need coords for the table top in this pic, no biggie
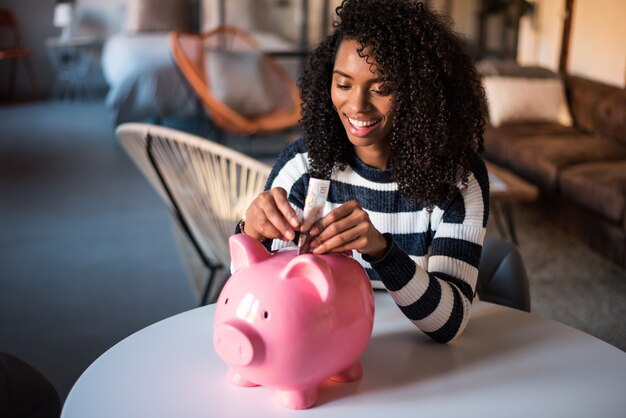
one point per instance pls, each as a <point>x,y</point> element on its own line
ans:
<point>506,363</point>
<point>506,186</point>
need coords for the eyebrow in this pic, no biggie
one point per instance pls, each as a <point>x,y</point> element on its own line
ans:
<point>374,80</point>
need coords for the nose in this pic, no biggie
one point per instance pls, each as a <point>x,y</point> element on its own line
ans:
<point>359,100</point>
<point>233,345</point>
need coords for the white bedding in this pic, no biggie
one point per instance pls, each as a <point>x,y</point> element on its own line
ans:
<point>143,78</point>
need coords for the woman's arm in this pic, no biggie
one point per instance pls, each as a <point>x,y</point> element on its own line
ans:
<point>275,213</point>
<point>438,300</point>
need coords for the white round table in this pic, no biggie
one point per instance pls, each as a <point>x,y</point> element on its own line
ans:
<point>507,363</point>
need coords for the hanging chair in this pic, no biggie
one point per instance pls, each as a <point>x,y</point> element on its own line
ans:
<point>243,90</point>
<point>207,187</point>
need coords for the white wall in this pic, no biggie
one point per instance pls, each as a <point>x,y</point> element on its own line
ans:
<point>540,35</point>
<point>597,48</point>
<point>464,13</point>
<point>598,41</point>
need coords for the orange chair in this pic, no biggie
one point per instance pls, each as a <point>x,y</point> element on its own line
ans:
<point>190,54</point>
<point>16,50</point>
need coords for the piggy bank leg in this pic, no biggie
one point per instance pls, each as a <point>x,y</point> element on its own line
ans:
<point>236,379</point>
<point>298,399</point>
<point>352,373</point>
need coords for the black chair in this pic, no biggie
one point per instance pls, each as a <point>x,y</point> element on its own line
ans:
<point>25,392</point>
<point>502,277</point>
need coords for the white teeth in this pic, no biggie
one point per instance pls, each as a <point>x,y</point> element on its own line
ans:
<point>362,123</point>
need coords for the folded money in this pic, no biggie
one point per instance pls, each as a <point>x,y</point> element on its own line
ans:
<point>313,210</point>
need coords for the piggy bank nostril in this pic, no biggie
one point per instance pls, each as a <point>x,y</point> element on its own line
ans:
<point>234,345</point>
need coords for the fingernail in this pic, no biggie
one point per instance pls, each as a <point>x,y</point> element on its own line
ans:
<point>294,221</point>
<point>314,231</point>
<point>318,250</point>
<point>289,235</point>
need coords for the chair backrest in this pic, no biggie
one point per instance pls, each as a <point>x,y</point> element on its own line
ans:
<point>190,53</point>
<point>8,23</point>
<point>209,184</point>
<point>502,277</point>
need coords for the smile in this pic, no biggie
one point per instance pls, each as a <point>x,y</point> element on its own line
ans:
<point>362,128</point>
<point>363,123</point>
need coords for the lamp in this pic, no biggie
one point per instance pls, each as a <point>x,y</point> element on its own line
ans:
<point>63,15</point>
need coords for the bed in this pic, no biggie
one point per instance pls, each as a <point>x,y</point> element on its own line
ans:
<point>144,82</point>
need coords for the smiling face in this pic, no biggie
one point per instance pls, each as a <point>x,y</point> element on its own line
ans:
<point>364,104</point>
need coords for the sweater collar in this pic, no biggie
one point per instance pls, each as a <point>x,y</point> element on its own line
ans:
<point>370,173</point>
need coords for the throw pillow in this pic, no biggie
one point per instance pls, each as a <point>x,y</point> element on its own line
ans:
<point>517,99</point>
<point>240,80</point>
<point>158,15</point>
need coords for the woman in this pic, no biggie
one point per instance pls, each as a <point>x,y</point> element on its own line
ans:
<point>392,115</point>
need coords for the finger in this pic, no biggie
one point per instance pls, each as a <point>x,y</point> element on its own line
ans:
<point>346,224</point>
<point>277,222</point>
<point>357,245</point>
<point>269,221</point>
<point>264,228</point>
<point>333,216</point>
<point>282,202</point>
<point>339,242</point>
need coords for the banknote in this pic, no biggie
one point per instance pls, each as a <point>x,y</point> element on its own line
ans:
<point>313,210</point>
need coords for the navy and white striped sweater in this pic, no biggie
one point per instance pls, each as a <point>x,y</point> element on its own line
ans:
<point>431,266</point>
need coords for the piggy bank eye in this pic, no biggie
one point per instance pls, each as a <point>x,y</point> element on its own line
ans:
<point>266,314</point>
<point>226,301</point>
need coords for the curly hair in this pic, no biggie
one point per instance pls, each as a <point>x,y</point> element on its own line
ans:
<point>437,130</point>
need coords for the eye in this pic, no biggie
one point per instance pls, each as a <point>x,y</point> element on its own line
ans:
<point>266,314</point>
<point>226,301</point>
<point>342,86</point>
<point>383,91</point>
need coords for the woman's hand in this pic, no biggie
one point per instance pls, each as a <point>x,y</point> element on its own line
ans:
<point>348,227</point>
<point>271,216</point>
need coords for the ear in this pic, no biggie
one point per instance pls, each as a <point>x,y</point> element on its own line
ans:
<point>315,270</point>
<point>245,251</point>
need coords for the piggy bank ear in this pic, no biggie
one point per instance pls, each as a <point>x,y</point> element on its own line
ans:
<point>245,251</point>
<point>315,270</point>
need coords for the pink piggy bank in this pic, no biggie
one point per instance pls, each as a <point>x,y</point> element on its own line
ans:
<point>290,322</point>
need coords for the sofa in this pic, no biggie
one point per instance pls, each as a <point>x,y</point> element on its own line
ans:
<point>579,165</point>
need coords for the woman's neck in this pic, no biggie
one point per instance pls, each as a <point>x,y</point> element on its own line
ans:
<point>377,157</point>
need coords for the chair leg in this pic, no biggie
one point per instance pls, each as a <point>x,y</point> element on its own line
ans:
<point>31,75</point>
<point>12,78</point>
<point>207,286</point>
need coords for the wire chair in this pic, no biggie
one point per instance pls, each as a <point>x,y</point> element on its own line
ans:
<point>190,50</point>
<point>207,187</point>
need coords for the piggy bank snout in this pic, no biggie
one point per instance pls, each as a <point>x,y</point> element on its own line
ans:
<point>234,345</point>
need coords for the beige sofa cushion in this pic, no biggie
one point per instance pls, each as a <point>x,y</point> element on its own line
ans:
<point>519,99</point>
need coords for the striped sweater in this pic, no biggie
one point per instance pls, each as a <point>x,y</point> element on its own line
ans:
<point>431,267</point>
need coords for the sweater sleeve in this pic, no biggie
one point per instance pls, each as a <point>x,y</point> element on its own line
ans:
<point>291,173</point>
<point>438,300</point>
